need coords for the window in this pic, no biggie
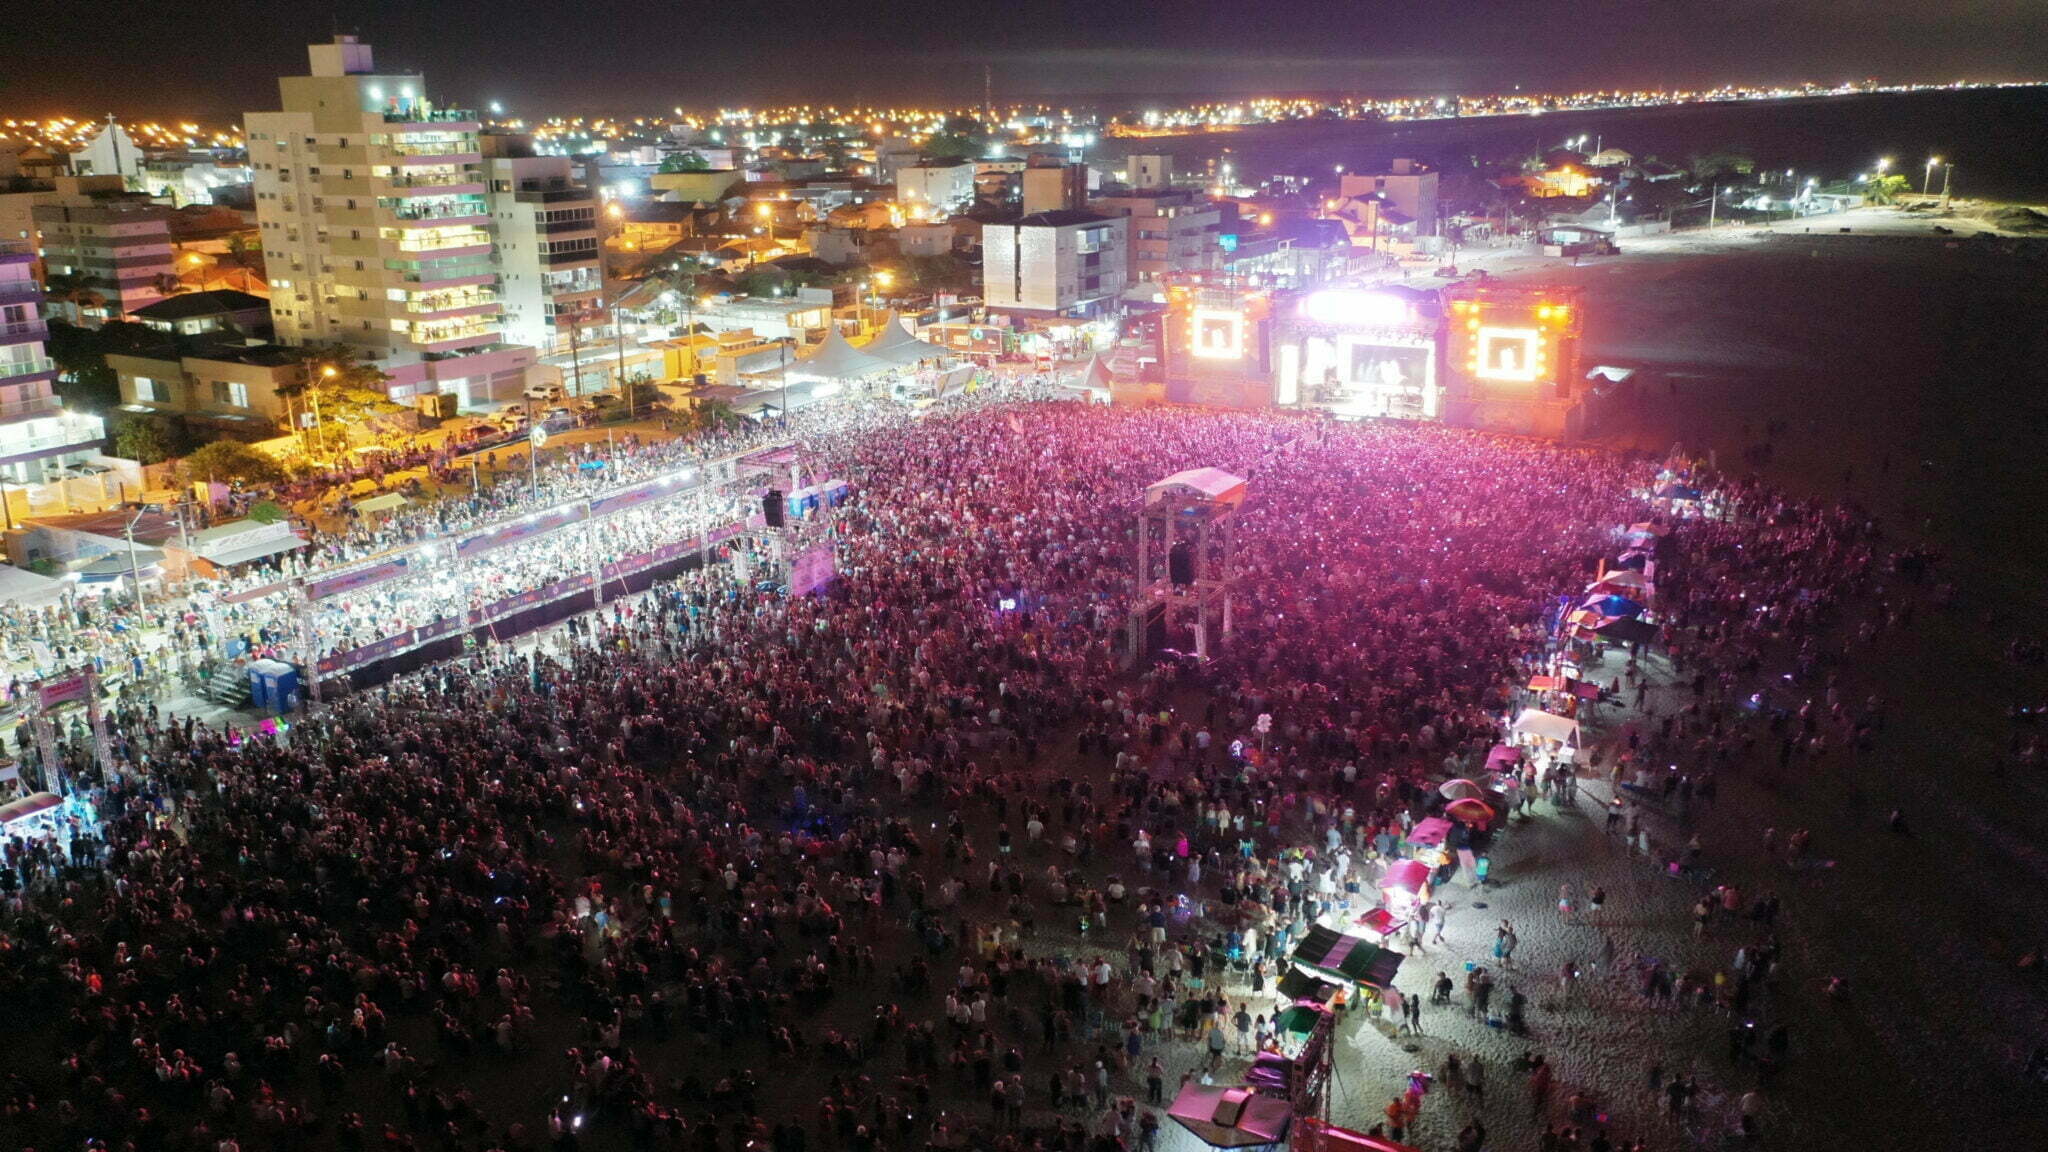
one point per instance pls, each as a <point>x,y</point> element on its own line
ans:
<point>231,392</point>
<point>151,391</point>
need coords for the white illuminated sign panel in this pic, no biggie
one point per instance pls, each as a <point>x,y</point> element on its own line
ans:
<point>1508,354</point>
<point>1215,334</point>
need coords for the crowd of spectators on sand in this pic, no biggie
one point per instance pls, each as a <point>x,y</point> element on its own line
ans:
<point>914,850</point>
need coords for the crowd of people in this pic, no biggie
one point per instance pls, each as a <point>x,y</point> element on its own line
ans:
<point>913,861</point>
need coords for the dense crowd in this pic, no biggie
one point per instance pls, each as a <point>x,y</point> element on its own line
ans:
<point>912,861</point>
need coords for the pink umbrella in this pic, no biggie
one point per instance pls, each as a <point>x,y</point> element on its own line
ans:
<point>1470,812</point>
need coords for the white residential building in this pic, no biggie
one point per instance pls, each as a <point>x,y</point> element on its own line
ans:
<point>1065,263</point>
<point>547,243</point>
<point>942,186</point>
<point>376,228</point>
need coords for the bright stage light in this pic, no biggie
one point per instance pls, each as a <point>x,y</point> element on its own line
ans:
<point>1351,307</point>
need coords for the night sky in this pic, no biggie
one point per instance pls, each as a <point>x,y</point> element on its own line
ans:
<point>220,57</point>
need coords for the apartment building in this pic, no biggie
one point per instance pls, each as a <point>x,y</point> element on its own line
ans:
<point>111,252</point>
<point>1064,263</point>
<point>548,253</point>
<point>376,226</point>
<point>1407,186</point>
<point>1172,231</point>
<point>37,436</point>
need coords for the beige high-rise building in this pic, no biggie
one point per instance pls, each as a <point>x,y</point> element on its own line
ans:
<point>376,230</point>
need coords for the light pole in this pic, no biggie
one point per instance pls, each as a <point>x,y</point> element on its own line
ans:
<point>1927,181</point>
<point>1947,170</point>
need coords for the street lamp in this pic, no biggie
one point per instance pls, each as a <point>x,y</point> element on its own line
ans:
<point>1927,181</point>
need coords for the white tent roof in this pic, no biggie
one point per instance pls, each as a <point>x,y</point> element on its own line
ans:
<point>1537,722</point>
<point>1213,483</point>
<point>835,359</point>
<point>1094,375</point>
<point>895,344</point>
<point>21,586</point>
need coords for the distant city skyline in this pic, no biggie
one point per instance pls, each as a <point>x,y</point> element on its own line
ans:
<point>221,59</point>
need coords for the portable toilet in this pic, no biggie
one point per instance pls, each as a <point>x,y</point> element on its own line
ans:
<point>273,685</point>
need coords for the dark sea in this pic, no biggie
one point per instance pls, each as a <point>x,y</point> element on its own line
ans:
<point>1996,138</point>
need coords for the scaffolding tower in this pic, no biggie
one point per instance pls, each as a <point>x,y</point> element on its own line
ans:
<point>1187,553</point>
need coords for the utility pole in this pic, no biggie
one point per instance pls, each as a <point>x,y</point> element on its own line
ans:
<point>1947,170</point>
<point>1712,205</point>
<point>134,568</point>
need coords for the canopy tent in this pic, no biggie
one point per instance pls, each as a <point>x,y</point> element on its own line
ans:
<point>1093,382</point>
<point>836,359</point>
<point>1678,492</point>
<point>122,564</point>
<point>1406,876</point>
<point>1650,527</point>
<point>388,502</point>
<point>1503,756</point>
<point>21,586</point>
<point>1633,560</point>
<point>1628,631</point>
<point>1297,985</point>
<point>895,345</point>
<point>1626,578</point>
<point>1379,922</point>
<point>1429,833</point>
<point>1231,1117</point>
<point>240,541</point>
<point>1614,605</point>
<point>1537,722</point>
<point>1352,958</point>
<point>15,811</point>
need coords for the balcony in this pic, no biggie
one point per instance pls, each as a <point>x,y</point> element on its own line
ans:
<point>49,436</point>
<point>437,116</point>
<point>11,410</point>
<point>34,366</point>
<point>441,210</point>
<point>451,242</point>
<point>438,152</point>
<point>20,331</point>
<point>435,182</point>
<point>434,303</point>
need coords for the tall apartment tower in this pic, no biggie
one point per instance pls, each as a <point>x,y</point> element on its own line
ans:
<point>376,231</point>
<point>37,435</point>
<point>545,217</point>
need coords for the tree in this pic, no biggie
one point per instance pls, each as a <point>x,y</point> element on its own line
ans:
<point>1884,188</point>
<point>685,162</point>
<point>336,388</point>
<point>266,512</point>
<point>142,439</point>
<point>1714,166</point>
<point>231,461</point>
<point>960,138</point>
<point>84,379</point>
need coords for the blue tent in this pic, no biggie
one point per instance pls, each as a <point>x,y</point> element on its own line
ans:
<point>1614,606</point>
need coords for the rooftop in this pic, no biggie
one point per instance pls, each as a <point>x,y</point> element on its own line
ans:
<point>187,305</point>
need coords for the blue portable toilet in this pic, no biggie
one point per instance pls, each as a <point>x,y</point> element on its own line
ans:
<point>273,685</point>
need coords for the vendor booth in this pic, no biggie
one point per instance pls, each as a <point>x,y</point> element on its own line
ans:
<point>1544,725</point>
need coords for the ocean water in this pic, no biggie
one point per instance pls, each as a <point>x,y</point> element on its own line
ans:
<point>1994,137</point>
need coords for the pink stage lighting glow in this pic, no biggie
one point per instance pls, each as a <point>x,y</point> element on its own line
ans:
<point>1355,308</point>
